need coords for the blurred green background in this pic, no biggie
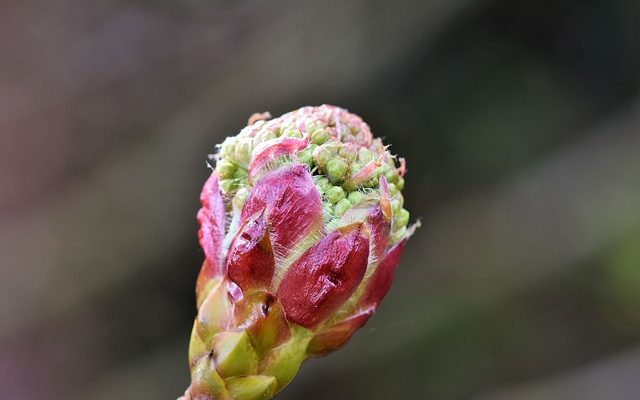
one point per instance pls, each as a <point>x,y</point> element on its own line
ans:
<point>520,121</point>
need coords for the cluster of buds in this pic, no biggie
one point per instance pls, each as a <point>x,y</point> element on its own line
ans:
<point>302,225</point>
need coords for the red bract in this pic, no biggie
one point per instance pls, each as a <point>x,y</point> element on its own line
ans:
<point>324,277</point>
<point>380,225</point>
<point>250,262</point>
<point>337,335</point>
<point>268,152</point>
<point>291,203</point>
<point>211,218</point>
<point>380,281</point>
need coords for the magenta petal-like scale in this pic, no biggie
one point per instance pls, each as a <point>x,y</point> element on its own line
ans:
<point>291,203</point>
<point>324,277</point>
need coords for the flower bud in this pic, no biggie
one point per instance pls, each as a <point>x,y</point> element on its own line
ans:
<point>302,226</point>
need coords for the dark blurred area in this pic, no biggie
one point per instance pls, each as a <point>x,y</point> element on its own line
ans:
<point>520,122</point>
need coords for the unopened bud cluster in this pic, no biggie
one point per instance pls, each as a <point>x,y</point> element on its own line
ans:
<point>345,160</point>
<point>302,226</point>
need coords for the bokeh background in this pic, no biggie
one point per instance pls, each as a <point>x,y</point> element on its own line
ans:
<point>520,121</point>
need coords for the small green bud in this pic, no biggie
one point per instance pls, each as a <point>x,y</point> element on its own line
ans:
<point>391,175</point>
<point>335,194</point>
<point>225,169</point>
<point>327,211</point>
<point>323,183</point>
<point>356,197</point>
<point>402,218</point>
<point>228,147</point>
<point>356,167</point>
<point>371,182</point>
<point>392,189</point>
<point>400,183</point>
<point>305,156</point>
<point>228,185</point>
<point>319,136</point>
<point>323,156</point>
<point>342,207</point>
<point>365,155</point>
<point>312,147</point>
<point>263,136</point>
<point>348,153</point>
<point>243,152</point>
<point>292,132</point>
<point>395,206</point>
<point>240,174</point>
<point>337,168</point>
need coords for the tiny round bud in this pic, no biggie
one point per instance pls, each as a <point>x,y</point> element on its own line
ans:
<point>319,136</point>
<point>364,155</point>
<point>344,131</point>
<point>277,131</point>
<point>228,185</point>
<point>225,169</point>
<point>335,194</point>
<point>392,189</point>
<point>402,218</point>
<point>337,168</point>
<point>243,151</point>
<point>370,183</point>
<point>240,174</point>
<point>356,197</point>
<point>228,147</point>
<point>348,153</point>
<point>323,155</point>
<point>390,174</point>
<point>305,156</point>
<point>395,206</point>
<point>400,183</point>
<point>263,136</point>
<point>292,132</point>
<point>342,207</point>
<point>323,183</point>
